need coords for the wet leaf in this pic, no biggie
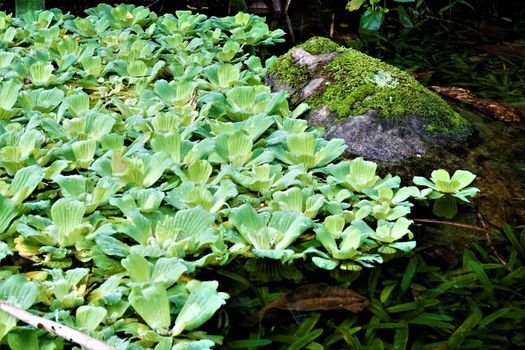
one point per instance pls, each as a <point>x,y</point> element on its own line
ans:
<point>315,297</point>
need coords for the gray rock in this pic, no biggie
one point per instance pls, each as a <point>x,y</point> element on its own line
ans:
<point>372,137</point>
<point>425,122</point>
<point>302,57</point>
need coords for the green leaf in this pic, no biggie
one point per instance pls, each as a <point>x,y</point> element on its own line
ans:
<point>41,72</point>
<point>463,331</point>
<point>17,291</point>
<point>323,263</point>
<point>371,19</point>
<point>440,175</point>
<point>24,183</point>
<point>501,313</point>
<point>4,251</point>
<point>463,177</point>
<point>23,339</point>
<point>8,211</point>
<point>445,207</point>
<point>152,304</point>
<point>112,246</point>
<point>306,339</point>
<point>137,69</point>
<point>481,274</point>
<point>404,18</point>
<point>354,5</point>
<point>200,306</point>
<point>169,270</point>
<point>139,269</point>
<point>386,292</point>
<point>6,58</point>
<point>84,151</point>
<point>248,343</point>
<point>89,317</point>
<point>77,104</point>
<point>408,276</point>
<point>203,344</point>
<point>507,229</point>
<point>9,94</point>
<point>193,222</point>
<point>236,148</point>
<point>361,174</point>
<point>401,337</point>
<point>434,320</point>
<point>329,152</point>
<point>199,171</point>
<point>42,100</point>
<point>73,186</point>
<point>67,215</point>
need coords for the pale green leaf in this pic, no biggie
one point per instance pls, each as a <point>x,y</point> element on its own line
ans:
<point>89,317</point>
<point>202,303</point>
<point>152,304</point>
<point>24,183</point>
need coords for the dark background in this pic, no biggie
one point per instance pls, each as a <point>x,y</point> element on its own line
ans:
<point>482,8</point>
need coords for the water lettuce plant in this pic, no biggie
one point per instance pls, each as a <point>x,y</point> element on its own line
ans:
<point>444,189</point>
<point>137,151</point>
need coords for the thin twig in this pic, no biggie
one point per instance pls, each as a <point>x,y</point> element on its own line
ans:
<point>453,23</point>
<point>470,227</point>
<point>451,223</point>
<point>153,3</point>
<point>489,242</point>
<point>65,332</point>
<point>290,28</point>
<point>288,2</point>
<point>332,25</point>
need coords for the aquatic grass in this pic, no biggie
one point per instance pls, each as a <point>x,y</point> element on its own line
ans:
<point>440,307</point>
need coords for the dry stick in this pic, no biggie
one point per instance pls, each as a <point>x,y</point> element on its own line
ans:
<point>451,223</point>
<point>332,25</point>
<point>288,2</point>
<point>65,332</point>
<point>489,242</point>
<point>471,227</point>
<point>290,28</point>
<point>153,3</point>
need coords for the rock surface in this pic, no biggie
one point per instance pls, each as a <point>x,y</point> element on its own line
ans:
<point>381,112</point>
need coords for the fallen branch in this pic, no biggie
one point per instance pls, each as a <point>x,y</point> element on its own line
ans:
<point>498,110</point>
<point>65,332</point>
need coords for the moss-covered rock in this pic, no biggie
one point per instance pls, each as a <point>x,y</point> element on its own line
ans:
<point>381,111</point>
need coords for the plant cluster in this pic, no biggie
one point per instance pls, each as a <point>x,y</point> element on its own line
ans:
<point>136,150</point>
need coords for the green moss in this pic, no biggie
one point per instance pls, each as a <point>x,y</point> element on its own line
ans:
<point>353,91</point>
<point>289,72</point>
<point>319,46</point>
<point>357,83</point>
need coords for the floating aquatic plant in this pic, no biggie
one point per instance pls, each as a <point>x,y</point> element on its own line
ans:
<point>136,150</point>
<point>444,189</point>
